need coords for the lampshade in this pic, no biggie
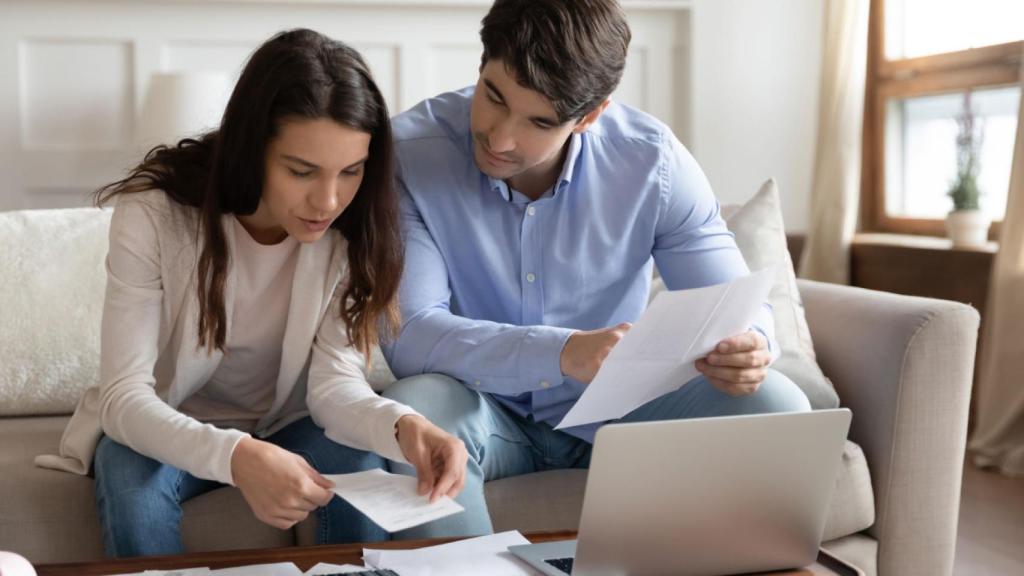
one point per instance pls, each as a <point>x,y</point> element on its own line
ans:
<point>182,104</point>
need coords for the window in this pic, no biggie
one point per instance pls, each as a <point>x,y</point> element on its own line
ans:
<point>927,61</point>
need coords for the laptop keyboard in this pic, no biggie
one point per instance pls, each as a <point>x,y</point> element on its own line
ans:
<point>563,564</point>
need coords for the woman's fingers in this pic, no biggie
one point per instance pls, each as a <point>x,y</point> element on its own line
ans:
<point>319,491</point>
<point>424,472</point>
<point>448,478</point>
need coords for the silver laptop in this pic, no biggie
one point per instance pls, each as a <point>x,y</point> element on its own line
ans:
<point>703,496</point>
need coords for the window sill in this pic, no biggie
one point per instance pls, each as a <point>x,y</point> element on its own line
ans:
<point>922,266</point>
<point>916,242</point>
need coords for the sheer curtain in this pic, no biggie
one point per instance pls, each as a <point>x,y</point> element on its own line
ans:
<point>998,440</point>
<point>835,190</point>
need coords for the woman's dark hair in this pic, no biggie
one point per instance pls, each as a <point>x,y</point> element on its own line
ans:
<point>299,74</point>
<point>571,51</point>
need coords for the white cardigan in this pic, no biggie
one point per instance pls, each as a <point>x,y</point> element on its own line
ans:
<point>150,360</point>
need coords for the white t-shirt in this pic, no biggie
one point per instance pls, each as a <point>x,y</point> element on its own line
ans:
<point>242,388</point>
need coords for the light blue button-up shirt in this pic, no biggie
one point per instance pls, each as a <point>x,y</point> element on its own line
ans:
<point>495,283</point>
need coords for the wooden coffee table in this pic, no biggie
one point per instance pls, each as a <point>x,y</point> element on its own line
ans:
<point>307,556</point>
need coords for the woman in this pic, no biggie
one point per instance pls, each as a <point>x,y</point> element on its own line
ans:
<point>248,273</point>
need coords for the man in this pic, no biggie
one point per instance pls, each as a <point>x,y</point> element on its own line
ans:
<point>531,208</point>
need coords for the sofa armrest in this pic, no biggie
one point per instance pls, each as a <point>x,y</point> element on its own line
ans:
<point>904,366</point>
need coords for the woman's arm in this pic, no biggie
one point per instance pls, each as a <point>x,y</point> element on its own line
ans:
<point>341,400</point>
<point>131,413</point>
<point>351,413</point>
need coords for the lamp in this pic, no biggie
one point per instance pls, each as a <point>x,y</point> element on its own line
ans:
<point>180,105</point>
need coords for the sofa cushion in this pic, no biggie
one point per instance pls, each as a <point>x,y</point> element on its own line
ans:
<point>859,550</point>
<point>552,500</point>
<point>853,505</point>
<point>52,292</point>
<point>50,516</point>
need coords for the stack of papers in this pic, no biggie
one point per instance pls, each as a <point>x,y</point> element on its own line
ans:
<point>484,555</point>
<point>278,569</point>
<point>657,355</point>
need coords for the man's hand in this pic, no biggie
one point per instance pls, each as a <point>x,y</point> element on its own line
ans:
<point>585,351</point>
<point>738,365</point>
<point>438,457</point>
<point>280,486</point>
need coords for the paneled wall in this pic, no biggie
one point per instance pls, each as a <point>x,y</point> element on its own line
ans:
<point>73,73</point>
<point>755,75</point>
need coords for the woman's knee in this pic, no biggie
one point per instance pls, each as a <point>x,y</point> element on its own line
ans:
<point>328,457</point>
<point>118,468</point>
<point>132,488</point>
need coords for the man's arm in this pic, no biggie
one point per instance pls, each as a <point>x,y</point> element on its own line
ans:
<point>692,246</point>
<point>488,356</point>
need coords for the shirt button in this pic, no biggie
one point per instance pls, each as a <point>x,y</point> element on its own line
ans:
<point>476,383</point>
<point>530,277</point>
<point>545,384</point>
<point>531,210</point>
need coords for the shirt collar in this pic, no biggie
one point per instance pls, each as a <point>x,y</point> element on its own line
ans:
<point>568,169</point>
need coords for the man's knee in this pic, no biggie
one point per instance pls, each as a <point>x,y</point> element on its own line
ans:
<point>777,393</point>
<point>441,399</point>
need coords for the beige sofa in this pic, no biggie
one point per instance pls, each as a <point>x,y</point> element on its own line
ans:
<point>902,364</point>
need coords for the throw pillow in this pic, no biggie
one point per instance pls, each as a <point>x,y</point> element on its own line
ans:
<point>761,237</point>
<point>51,286</point>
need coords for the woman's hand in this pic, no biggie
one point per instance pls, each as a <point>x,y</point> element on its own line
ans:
<point>280,486</point>
<point>439,457</point>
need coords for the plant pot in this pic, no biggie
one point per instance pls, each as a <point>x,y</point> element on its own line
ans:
<point>968,228</point>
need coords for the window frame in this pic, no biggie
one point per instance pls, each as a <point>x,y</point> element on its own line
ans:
<point>992,66</point>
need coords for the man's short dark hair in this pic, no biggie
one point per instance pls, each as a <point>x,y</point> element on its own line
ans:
<point>571,51</point>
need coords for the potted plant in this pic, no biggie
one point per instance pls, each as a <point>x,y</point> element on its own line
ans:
<point>967,225</point>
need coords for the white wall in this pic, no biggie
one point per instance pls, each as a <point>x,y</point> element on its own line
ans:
<point>737,79</point>
<point>73,73</point>
<point>755,73</point>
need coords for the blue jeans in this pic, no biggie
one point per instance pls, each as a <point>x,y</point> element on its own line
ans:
<point>139,499</point>
<point>501,443</point>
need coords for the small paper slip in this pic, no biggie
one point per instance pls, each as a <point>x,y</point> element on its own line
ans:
<point>278,569</point>
<point>657,355</point>
<point>324,568</point>
<point>390,500</point>
<point>472,557</point>
<point>178,572</point>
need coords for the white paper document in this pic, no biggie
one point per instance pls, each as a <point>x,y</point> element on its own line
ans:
<point>390,500</point>
<point>473,557</point>
<point>178,572</point>
<point>276,569</point>
<point>324,568</point>
<point>657,355</point>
